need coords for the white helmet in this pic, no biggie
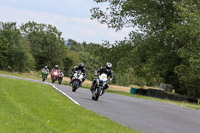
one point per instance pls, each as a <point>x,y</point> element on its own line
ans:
<point>56,67</point>
<point>108,65</point>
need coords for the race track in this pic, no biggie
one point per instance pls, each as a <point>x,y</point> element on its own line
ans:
<point>138,114</point>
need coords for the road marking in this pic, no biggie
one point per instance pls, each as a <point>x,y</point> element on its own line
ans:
<point>63,93</point>
<point>44,83</point>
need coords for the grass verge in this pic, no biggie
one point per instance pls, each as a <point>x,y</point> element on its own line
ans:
<point>32,107</point>
<point>31,75</point>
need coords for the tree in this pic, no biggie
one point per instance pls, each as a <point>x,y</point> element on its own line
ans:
<point>76,46</point>
<point>166,34</point>
<point>47,45</point>
<point>3,52</point>
<point>14,53</point>
<point>187,35</point>
<point>71,59</point>
<point>91,63</point>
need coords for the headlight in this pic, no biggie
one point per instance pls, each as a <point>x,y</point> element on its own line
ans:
<point>55,73</point>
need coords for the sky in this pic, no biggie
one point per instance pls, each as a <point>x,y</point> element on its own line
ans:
<point>71,17</point>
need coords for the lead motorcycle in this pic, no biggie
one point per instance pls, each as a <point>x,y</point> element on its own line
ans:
<point>77,80</point>
<point>101,81</point>
<point>56,75</point>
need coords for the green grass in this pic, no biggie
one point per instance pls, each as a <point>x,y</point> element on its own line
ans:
<point>186,104</point>
<point>31,75</point>
<point>33,107</point>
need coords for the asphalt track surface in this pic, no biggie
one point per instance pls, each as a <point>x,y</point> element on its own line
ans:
<point>139,114</point>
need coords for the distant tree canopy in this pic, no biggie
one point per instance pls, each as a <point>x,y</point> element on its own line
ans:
<point>47,45</point>
<point>31,47</point>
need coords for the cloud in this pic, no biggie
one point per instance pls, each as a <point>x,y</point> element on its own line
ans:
<point>86,31</point>
<point>79,28</point>
<point>115,35</point>
<point>82,20</point>
<point>19,15</point>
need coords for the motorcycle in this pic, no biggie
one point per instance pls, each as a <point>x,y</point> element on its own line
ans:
<point>56,75</point>
<point>77,80</point>
<point>101,81</point>
<point>44,75</point>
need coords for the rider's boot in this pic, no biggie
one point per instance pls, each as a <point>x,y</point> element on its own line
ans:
<point>102,92</point>
<point>92,88</point>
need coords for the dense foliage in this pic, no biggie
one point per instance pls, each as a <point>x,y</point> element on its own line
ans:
<point>14,54</point>
<point>166,44</point>
<point>32,46</point>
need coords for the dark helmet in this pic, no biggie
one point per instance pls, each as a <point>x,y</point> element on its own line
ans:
<point>81,65</point>
<point>108,65</point>
<point>45,67</point>
<point>56,67</point>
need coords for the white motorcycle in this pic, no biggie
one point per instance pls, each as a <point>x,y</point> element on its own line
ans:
<point>101,81</point>
<point>77,80</point>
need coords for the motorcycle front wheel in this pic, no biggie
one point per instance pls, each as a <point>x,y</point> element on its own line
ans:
<point>53,79</point>
<point>74,86</point>
<point>96,94</point>
<point>44,78</point>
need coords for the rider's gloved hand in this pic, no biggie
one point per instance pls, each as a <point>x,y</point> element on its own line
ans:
<point>95,73</point>
<point>110,79</point>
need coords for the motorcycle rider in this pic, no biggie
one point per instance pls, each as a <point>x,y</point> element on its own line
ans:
<point>45,69</point>
<point>61,74</point>
<point>106,70</point>
<point>56,68</point>
<point>76,68</point>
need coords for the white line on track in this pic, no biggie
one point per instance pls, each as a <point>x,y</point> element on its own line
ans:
<point>47,84</point>
<point>63,93</point>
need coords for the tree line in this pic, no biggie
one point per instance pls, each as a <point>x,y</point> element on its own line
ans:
<point>32,46</point>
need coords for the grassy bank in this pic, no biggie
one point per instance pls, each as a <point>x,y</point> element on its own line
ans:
<point>32,107</point>
<point>31,75</point>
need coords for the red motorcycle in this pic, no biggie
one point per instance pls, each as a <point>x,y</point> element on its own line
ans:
<point>56,75</point>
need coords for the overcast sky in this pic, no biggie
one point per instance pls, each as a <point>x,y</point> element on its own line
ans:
<point>71,17</point>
